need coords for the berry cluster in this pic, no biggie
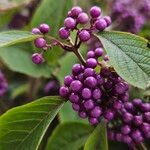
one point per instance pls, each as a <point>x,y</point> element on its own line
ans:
<point>94,95</point>
<point>3,84</point>
<point>37,58</point>
<point>76,17</point>
<point>130,15</point>
<point>131,124</point>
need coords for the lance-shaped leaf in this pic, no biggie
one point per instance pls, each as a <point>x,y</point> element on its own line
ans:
<point>129,55</point>
<point>68,136</point>
<point>8,38</point>
<point>22,128</point>
<point>98,139</point>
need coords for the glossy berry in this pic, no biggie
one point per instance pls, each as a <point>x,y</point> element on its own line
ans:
<point>68,79</point>
<point>75,11</point>
<point>75,107</point>
<point>70,23</point>
<point>40,43</point>
<point>82,114</point>
<point>90,82</point>
<point>108,20</point>
<point>74,98</point>
<point>96,112</point>
<point>64,91</point>
<point>89,72</point>
<point>89,104</point>
<point>76,85</point>
<point>77,68</point>
<point>82,18</point>
<point>84,35</point>
<point>86,93</point>
<point>36,31</point>
<point>95,12</point>
<point>91,63</point>
<point>100,24</point>
<point>126,129</point>
<point>37,58</point>
<point>99,52</point>
<point>64,33</point>
<point>90,54</point>
<point>93,121</point>
<point>97,94</point>
<point>44,28</point>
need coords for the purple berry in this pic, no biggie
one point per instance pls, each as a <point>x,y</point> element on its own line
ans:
<point>117,105</point>
<point>75,107</point>
<point>76,69</point>
<point>127,139</point>
<point>90,54</point>
<point>137,102</point>
<point>100,80</point>
<point>82,18</point>
<point>76,86</point>
<point>127,117</point>
<point>109,115</point>
<point>37,58</point>
<point>108,20</point>
<point>96,112</point>
<point>64,33</point>
<point>88,72</point>
<point>75,11</point>
<point>99,52</point>
<point>125,129</point>
<point>86,93</point>
<point>81,77</point>
<point>70,23</point>
<point>120,88</point>
<point>82,114</point>
<point>100,24</point>
<point>136,134</point>
<point>137,120</point>
<point>90,82</point>
<point>44,28</point>
<point>119,137</point>
<point>145,107</point>
<point>74,98</point>
<point>95,12</point>
<point>146,116</point>
<point>128,106</point>
<point>40,43</point>
<point>84,35</point>
<point>106,58</point>
<point>68,79</point>
<point>89,104</point>
<point>91,63</point>
<point>64,91</point>
<point>145,127</point>
<point>97,94</point>
<point>36,31</point>
<point>93,121</point>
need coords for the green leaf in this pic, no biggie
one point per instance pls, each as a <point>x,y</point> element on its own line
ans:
<point>67,114</point>
<point>69,136</point>
<point>19,60</point>
<point>8,38</point>
<point>129,55</point>
<point>98,139</point>
<point>22,128</point>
